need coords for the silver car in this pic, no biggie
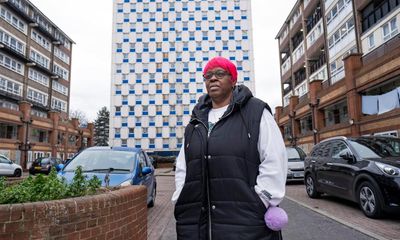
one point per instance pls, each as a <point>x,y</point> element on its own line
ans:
<point>295,164</point>
<point>8,168</point>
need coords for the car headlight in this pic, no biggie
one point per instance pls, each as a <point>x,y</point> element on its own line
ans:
<point>126,183</point>
<point>388,169</point>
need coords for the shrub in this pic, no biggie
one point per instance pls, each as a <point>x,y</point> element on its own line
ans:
<point>51,187</point>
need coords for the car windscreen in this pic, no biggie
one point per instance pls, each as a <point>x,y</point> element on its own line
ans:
<point>43,160</point>
<point>293,155</point>
<point>96,160</point>
<point>377,148</point>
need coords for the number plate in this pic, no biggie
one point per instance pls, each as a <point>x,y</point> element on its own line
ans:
<point>38,168</point>
<point>298,174</point>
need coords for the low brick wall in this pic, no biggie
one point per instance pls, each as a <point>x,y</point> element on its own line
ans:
<point>120,214</point>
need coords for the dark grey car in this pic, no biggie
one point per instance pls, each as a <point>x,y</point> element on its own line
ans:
<point>365,170</point>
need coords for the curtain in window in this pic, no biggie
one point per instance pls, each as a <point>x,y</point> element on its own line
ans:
<point>370,105</point>
<point>388,101</point>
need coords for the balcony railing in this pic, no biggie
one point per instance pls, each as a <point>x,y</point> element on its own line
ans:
<point>315,33</point>
<point>320,74</point>
<point>298,52</point>
<point>286,66</point>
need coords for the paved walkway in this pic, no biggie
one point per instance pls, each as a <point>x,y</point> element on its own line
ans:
<point>161,222</point>
<point>346,212</point>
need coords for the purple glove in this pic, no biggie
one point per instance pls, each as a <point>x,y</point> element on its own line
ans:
<point>275,218</point>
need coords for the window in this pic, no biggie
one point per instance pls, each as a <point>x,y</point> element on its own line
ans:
<point>60,88</point>
<point>8,131</point>
<point>38,77</point>
<point>339,148</point>
<point>12,42</point>
<point>61,55</point>
<point>389,29</point>
<point>60,71</point>
<point>10,86</point>
<point>336,114</point>
<point>11,64</point>
<point>37,96</point>
<point>38,135</point>
<point>12,19</point>
<point>42,41</point>
<point>58,104</point>
<point>39,58</point>
<point>371,41</point>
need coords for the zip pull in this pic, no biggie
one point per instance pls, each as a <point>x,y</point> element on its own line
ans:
<point>248,134</point>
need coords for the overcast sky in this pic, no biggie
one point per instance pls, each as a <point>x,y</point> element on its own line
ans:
<point>89,24</point>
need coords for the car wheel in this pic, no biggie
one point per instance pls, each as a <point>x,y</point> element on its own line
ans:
<point>311,188</point>
<point>369,198</point>
<point>153,198</point>
<point>17,173</point>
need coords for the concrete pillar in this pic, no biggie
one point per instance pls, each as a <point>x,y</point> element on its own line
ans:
<point>24,131</point>
<point>293,101</point>
<point>352,64</point>
<point>317,116</point>
<point>55,117</point>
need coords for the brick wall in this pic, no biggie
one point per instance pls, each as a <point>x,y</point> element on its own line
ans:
<point>120,214</point>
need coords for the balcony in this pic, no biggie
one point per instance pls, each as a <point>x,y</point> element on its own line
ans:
<point>315,34</point>
<point>337,75</point>
<point>335,21</point>
<point>376,11</point>
<point>316,64</point>
<point>345,42</point>
<point>328,3</point>
<point>320,74</point>
<point>381,33</point>
<point>298,52</point>
<point>285,66</point>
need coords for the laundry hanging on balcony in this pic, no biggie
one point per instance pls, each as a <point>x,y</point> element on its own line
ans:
<point>370,105</point>
<point>388,101</point>
<point>379,104</point>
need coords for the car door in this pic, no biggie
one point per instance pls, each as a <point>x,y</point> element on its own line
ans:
<point>340,171</point>
<point>321,159</point>
<point>5,167</point>
<point>146,180</point>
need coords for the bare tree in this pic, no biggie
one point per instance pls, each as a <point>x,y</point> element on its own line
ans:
<point>80,115</point>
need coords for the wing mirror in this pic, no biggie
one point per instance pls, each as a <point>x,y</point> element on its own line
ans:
<point>347,156</point>
<point>146,170</point>
<point>59,167</point>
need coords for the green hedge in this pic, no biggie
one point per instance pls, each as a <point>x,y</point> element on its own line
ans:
<point>45,188</point>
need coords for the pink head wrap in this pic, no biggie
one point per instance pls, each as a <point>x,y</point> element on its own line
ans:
<point>224,64</point>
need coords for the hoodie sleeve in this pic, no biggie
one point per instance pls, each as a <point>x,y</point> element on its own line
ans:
<point>180,173</point>
<point>271,180</point>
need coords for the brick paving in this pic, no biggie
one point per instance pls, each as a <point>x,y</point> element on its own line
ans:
<point>161,222</point>
<point>347,213</point>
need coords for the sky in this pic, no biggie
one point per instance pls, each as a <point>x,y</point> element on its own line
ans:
<point>89,24</point>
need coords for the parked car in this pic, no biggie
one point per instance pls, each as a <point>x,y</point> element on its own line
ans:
<point>365,170</point>
<point>115,166</point>
<point>8,168</point>
<point>45,164</point>
<point>295,164</point>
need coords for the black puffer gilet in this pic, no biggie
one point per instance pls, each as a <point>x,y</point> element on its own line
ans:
<point>218,200</point>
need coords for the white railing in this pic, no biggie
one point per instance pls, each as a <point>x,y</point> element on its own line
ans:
<point>298,52</point>
<point>349,38</point>
<point>285,66</point>
<point>286,99</point>
<point>301,89</point>
<point>315,33</point>
<point>320,74</point>
<point>337,75</point>
<point>345,11</point>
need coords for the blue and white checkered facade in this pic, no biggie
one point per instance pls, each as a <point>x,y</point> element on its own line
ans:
<point>159,49</point>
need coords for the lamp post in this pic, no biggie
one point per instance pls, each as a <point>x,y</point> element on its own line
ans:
<point>25,146</point>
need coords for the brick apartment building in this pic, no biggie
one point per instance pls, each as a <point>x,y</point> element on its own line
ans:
<point>340,70</point>
<point>35,66</point>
